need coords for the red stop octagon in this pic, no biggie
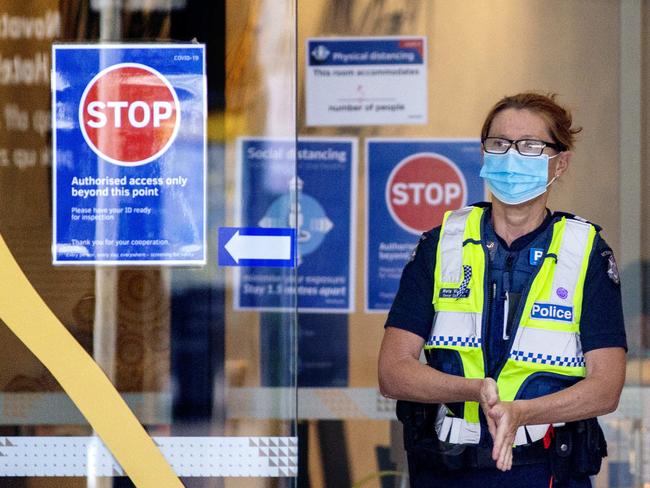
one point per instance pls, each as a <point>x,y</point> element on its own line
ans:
<point>129,114</point>
<point>421,188</point>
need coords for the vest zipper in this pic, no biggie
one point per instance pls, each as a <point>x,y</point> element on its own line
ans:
<point>507,285</point>
<point>522,302</point>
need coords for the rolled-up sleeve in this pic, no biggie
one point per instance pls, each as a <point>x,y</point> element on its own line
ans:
<point>601,321</point>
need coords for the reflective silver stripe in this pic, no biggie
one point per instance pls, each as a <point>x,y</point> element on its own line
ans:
<point>456,430</point>
<point>520,436</point>
<point>535,432</point>
<point>553,347</point>
<point>569,260</point>
<point>461,326</point>
<point>451,245</point>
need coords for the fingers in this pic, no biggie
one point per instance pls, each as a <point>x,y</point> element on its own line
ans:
<point>489,398</point>
<point>505,460</point>
<point>504,438</point>
<point>501,423</point>
<point>492,426</point>
<point>496,415</point>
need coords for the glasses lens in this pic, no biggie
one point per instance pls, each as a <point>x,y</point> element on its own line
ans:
<point>529,147</point>
<point>496,145</point>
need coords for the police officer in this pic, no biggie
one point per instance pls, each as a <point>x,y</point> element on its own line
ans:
<point>519,312</point>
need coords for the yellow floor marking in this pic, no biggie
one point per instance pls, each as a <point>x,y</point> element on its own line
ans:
<point>27,315</point>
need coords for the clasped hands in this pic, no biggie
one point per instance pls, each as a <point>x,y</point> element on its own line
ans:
<point>503,419</point>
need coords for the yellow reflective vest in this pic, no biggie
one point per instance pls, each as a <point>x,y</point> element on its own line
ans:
<point>546,336</point>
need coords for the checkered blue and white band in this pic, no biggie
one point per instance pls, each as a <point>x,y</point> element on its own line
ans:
<point>550,359</point>
<point>550,347</point>
<point>454,341</point>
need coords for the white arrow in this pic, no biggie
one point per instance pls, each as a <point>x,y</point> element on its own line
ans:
<point>259,247</point>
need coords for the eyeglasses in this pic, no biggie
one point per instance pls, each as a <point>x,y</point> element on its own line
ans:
<point>525,147</point>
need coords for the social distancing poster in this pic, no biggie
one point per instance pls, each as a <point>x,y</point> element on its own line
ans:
<point>311,186</point>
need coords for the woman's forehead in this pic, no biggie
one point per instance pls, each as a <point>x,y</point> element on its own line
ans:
<point>516,123</point>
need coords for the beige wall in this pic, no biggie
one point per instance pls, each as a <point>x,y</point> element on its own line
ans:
<point>480,50</point>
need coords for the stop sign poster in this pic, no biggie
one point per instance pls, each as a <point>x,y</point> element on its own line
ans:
<point>318,196</point>
<point>129,160</point>
<point>411,184</point>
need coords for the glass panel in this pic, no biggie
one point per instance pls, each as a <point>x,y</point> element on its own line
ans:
<point>210,374</point>
<point>353,441</point>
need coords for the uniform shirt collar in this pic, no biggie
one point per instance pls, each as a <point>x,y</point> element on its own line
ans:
<point>521,242</point>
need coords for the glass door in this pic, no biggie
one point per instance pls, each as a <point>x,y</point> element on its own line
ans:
<point>194,341</point>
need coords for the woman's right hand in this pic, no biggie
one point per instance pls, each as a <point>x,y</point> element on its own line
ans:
<point>488,398</point>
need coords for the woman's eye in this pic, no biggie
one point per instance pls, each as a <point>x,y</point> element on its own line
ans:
<point>532,144</point>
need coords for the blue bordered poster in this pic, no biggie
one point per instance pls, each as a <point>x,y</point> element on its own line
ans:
<point>366,81</point>
<point>129,161</point>
<point>410,185</point>
<point>318,198</point>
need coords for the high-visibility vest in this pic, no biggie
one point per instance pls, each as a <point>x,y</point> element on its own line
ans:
<point>546,338</point>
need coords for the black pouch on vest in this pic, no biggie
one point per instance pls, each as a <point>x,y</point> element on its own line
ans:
<point>560,455</point>
<point>421,441</point>
<point>590,447</point>
<point>418,420</point>
<point>578,450</point>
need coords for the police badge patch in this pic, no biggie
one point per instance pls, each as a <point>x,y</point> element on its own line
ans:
<point>415,249</point>
<point>612,269</point>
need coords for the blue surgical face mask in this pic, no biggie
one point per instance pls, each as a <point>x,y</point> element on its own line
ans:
<point>513,178</point>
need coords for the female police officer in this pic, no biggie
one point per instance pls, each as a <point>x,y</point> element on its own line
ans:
<point>519,312</point>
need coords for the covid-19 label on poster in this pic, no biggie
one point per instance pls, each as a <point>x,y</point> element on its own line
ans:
<point>317,197</point>
<point>129,154</point>
<point>410,185</point>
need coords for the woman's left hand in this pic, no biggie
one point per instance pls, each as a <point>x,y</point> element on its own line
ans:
<point>508,418</point>
<point>597,394</point>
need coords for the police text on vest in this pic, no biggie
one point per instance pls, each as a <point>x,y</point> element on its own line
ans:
<point>551,311</point>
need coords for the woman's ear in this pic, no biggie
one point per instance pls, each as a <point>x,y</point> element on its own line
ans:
<point>562,164</point>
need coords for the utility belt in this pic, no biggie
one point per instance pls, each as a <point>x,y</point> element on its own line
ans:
<point>574,450</point>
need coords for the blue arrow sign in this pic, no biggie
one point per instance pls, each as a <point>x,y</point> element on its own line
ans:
<point>257,246</point>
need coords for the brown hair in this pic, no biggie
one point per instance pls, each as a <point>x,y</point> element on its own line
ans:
<point>558,119</point>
